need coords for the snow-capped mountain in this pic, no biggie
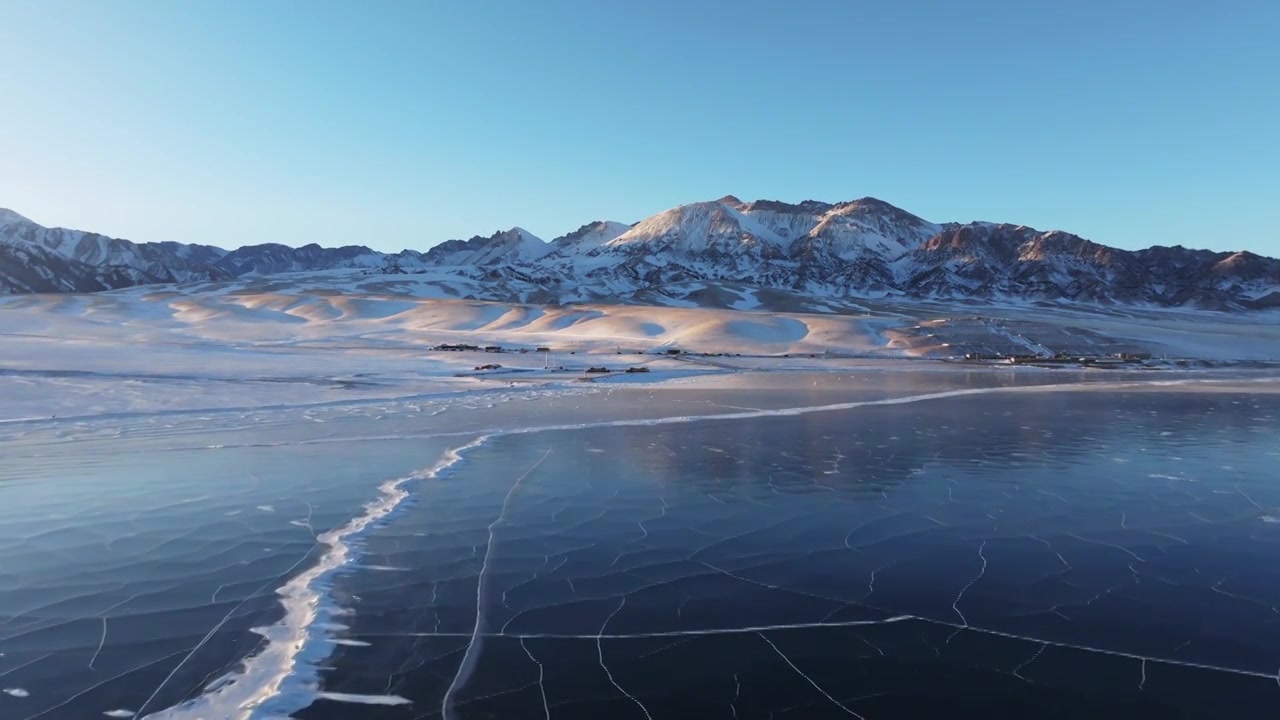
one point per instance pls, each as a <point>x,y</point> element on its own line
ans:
<point>31,268</point>
<point>272,258</point>
<point>986,260</point>
<point>589,237</point>
<point>512,247</point>
<point>862,248</point>
<point>109,261</point>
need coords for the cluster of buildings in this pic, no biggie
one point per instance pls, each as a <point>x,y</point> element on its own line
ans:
<point>1118,358</point>
<point>462,347</point>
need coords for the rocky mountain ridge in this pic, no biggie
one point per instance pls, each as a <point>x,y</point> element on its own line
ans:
<point>861,248</point>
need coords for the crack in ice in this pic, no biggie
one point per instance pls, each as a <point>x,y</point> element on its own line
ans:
<point>983,571</point>
<point>600,655</point>
<point>657,633</point>
<point>1055,552</point>
<point>468,658</point>
<point>1131,553</point>
<point>99,684</point>
<point>1246,497</point>
<point>546,709</point>
<point>1167,535</point>
<point>29,663</point>
<point>101,642</point>
<point>1028,661</point>
<point>808,679</point>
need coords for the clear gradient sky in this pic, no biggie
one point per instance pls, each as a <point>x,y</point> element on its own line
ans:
<point>401,124</point>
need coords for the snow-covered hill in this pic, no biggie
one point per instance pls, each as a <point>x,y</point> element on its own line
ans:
<point>695,253</point>
<point>62,260</point>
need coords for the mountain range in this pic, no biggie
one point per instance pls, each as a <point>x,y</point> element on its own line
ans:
<point>864,248</point>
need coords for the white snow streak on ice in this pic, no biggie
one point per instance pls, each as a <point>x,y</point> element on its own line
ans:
<point>281,671</point>
<point>364,699</point>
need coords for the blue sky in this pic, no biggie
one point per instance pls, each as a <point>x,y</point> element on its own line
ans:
<point>402,124</point>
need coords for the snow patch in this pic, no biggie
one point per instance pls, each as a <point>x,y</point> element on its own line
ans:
<point>364,699</point>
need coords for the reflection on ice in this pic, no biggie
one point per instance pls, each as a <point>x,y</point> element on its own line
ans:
<point>693,539</point>
<point>877,548</point>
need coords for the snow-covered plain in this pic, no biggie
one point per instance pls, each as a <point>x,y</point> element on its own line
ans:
<point>339,337</point>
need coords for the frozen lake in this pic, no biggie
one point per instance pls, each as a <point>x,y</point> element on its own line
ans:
<point>879,544</point>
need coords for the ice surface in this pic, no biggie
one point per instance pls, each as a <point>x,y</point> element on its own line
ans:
<point>1010,539</point>
<point>609,565</point>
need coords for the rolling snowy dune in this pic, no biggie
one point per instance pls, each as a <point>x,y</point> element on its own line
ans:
<point>342,336</point>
